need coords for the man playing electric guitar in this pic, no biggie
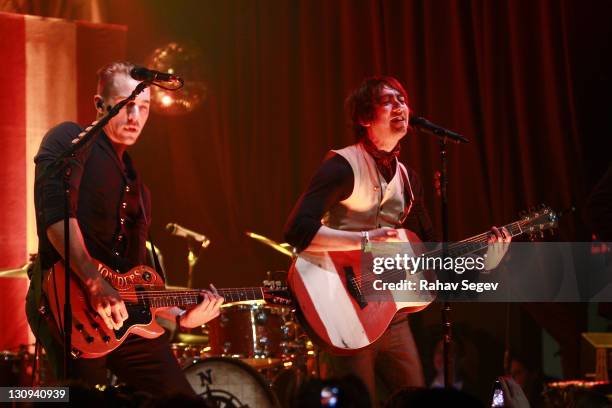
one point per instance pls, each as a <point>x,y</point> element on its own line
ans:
<point>363,193</point>
<point>110,213</point>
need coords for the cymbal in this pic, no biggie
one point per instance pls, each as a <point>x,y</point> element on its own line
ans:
<point>172,287</point>
<point>15,272</point>
<point>191,338</point>
<point>283,248</point>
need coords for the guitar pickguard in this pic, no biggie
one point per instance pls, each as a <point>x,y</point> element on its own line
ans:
<point>138,314</point>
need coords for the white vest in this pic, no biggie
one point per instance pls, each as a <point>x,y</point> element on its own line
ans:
<point>374,203</point>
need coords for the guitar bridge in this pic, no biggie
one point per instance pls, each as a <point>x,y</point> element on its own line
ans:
<point>353,287</point>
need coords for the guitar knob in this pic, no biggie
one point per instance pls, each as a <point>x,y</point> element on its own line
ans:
<point>79,327</point>
<point>95,325</point>
<point>89,339</point>
<point>106,339</point>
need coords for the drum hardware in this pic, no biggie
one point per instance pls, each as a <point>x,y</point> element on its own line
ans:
<point>187,354</point>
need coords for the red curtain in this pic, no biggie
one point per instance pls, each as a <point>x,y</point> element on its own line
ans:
<point>48,77</point>
<point>508,75</point>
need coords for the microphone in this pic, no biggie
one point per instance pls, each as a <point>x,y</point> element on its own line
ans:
<point>180,231</point>
<point>426,126</point>
<point>145,74</point>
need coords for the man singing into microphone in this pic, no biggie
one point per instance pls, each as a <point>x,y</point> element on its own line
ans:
<point>363,192</point>
<point>110,215</point>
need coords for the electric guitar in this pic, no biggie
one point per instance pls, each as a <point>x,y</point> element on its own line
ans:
<point>144,293</point>
<point>328,287</point>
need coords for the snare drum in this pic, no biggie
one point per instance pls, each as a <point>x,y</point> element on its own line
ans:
<point>226,382</point>
<point>253,333</point>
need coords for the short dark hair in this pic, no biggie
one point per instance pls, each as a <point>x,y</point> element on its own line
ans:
<point>361,101</point>
<point>108,72</point>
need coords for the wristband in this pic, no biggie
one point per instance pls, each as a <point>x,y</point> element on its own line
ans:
<point>365,241</point>
<point>178,319</point>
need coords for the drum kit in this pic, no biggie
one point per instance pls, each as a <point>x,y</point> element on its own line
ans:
<point>253,354</point>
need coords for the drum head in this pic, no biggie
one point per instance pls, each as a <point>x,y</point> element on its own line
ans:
<point>229,383</point>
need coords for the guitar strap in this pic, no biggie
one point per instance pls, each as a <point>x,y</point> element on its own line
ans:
<point>155,259</point>
<point>408,201</point>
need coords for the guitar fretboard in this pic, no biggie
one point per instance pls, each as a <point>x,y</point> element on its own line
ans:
<point>475,243</point>
<point>164,298</point>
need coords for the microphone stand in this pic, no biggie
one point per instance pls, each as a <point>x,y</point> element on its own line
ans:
<point>61,163</point>
<point>446,308</point>
<point>194,249</point>
<point>443,136</point>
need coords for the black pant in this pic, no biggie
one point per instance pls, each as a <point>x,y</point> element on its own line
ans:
<point>145,364</point>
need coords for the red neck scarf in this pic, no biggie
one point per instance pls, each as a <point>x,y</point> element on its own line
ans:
<point>385,161</point>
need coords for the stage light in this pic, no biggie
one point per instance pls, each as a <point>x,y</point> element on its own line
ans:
<point>166,100</point>
<point>185,61</point>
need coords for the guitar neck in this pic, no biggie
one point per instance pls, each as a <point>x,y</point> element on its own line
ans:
<point>477,242</point>
<point>164,298</point>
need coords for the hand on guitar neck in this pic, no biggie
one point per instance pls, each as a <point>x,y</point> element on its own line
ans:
<point>205,311</point>
<point>499,242</point>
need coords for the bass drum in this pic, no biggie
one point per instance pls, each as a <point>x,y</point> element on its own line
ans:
<point>230,383</point>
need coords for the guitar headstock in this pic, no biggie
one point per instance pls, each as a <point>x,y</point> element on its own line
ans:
<point>538,220</point>
<point>278,295</point>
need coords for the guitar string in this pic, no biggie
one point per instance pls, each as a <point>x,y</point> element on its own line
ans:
<point>134,296</point>
<point>196,291</point>
<point>480,239</point>
<point>399,273</point>
<point>222,289</point>
<point>246,296</point>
